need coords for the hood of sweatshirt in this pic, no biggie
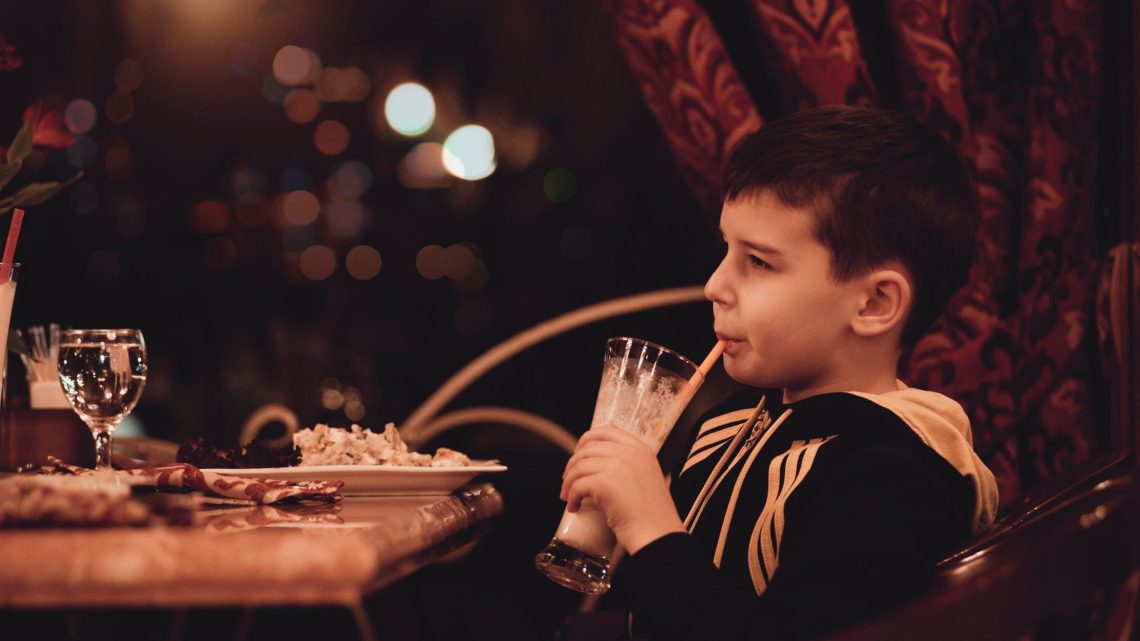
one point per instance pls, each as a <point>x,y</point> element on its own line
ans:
<point>942,424</point>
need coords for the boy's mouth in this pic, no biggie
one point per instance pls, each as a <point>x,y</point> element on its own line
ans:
<point>730,343</point>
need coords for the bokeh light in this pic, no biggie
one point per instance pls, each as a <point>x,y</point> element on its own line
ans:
<point>422,167</point>
<point>244,179</point>
<point>128,75</point>
<point>252,209</point>
<point>295,178</point>
<point>469,153</point>
<point>363,262</point>
<point>348,84</point>
<point>331,397</point>
<point>331,138</point>
<point>301,105</point>
<point>79,116</point>
<point>429,262</point>
<point>346,218</point>
<point>273,91</point>
<point>354,410</point>
<point>243,58</point>
<point>300,207</point>
<point>318,262</point>
<point>211,216</point>
<point>118,161</point>
<point>475,280</point>
<point>82,152</point>
<point>560,185</point>
<point>293,65</point>
<point>458,261</point>
<point>119,107</point>
<point>351,179</point>
<point>410,109</point>
<point>519,145</point>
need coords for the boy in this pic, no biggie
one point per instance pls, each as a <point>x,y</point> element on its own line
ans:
<point>847,229</point>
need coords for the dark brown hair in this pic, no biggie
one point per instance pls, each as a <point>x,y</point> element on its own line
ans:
<point>881,187</point>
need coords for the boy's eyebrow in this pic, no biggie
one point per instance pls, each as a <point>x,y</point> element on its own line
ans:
<point>760,247</point>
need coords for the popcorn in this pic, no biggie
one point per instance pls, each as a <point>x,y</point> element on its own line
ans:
<point>324,445</point>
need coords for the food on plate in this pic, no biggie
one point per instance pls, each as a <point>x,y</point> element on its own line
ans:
<point>324,445</point>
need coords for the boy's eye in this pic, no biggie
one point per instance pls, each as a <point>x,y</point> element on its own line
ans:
<point>759,263</point>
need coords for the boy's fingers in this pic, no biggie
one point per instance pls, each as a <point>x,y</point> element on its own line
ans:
<point>578,470</point>
<point>583,489</point>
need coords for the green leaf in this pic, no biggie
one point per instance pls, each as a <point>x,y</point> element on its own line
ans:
<point>22,143</point>
<point>35,193</point>
<point>8,172</point>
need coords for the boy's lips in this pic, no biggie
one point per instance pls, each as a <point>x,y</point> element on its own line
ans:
<point>730,343</point>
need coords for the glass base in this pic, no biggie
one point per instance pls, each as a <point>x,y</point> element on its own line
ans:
<point>573,569</point>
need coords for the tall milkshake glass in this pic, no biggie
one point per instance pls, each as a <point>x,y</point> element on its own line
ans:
<point>644,389</point>
<point>7,298</point>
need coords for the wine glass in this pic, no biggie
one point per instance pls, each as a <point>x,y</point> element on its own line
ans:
<point>103,372</point>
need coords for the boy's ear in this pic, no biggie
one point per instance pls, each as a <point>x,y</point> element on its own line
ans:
<point>885,299</point>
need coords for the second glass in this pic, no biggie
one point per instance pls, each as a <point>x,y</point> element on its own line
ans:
<point>644,390</point>
<point>103,372</point>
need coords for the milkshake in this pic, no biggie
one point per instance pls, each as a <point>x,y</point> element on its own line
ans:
<point>7,297</point>
<point>7,440</point>
<point>644,389</point>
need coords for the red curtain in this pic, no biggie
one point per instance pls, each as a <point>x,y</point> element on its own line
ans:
<point>1014,84</point>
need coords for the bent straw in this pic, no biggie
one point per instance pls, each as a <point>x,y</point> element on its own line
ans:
<point>698,377</point>
<point>10,245</point>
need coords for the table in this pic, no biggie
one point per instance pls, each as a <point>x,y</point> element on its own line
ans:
<point>328,555</point>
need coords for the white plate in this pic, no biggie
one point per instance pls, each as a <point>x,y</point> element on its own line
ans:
<point>375,480</point>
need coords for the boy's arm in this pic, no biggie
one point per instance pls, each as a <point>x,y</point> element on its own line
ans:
<point>858,539</point>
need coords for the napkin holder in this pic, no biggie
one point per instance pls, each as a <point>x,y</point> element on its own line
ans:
<point>47,426</point>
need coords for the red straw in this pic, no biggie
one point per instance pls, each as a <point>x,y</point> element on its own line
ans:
<point>10,245</point>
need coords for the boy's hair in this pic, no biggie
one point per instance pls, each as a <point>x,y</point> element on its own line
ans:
<point>880,187</point>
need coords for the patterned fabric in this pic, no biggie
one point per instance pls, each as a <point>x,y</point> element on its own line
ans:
<point>814,52</point>
<point>689,83</point>
<point>179,476</point>
<point>1014,84</point>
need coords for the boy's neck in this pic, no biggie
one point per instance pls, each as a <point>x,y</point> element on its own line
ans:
<point>874,372</point>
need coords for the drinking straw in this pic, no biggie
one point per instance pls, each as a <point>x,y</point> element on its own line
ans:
<point>693,383</point>
<point>10,245</point>
<point>717,350</point>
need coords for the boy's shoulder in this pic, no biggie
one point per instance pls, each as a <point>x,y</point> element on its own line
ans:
<point>823,416</point>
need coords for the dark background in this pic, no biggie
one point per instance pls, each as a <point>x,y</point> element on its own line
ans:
<point>224,341</point>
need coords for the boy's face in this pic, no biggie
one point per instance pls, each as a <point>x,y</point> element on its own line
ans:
<point>783,317</point>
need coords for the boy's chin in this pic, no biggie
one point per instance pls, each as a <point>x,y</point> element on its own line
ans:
<point>745,375</point>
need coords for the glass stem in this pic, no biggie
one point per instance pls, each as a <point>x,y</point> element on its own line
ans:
<point>102,448</point>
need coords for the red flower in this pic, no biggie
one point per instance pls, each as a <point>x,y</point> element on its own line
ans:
<point>49,129</point>
<point>9,59</point>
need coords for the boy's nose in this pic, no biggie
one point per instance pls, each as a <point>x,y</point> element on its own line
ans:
<point>715,289</point>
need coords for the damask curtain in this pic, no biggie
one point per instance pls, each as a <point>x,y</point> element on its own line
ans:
<point>1015,85</point>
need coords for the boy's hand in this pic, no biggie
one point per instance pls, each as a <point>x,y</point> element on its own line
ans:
<point>621,475</point>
